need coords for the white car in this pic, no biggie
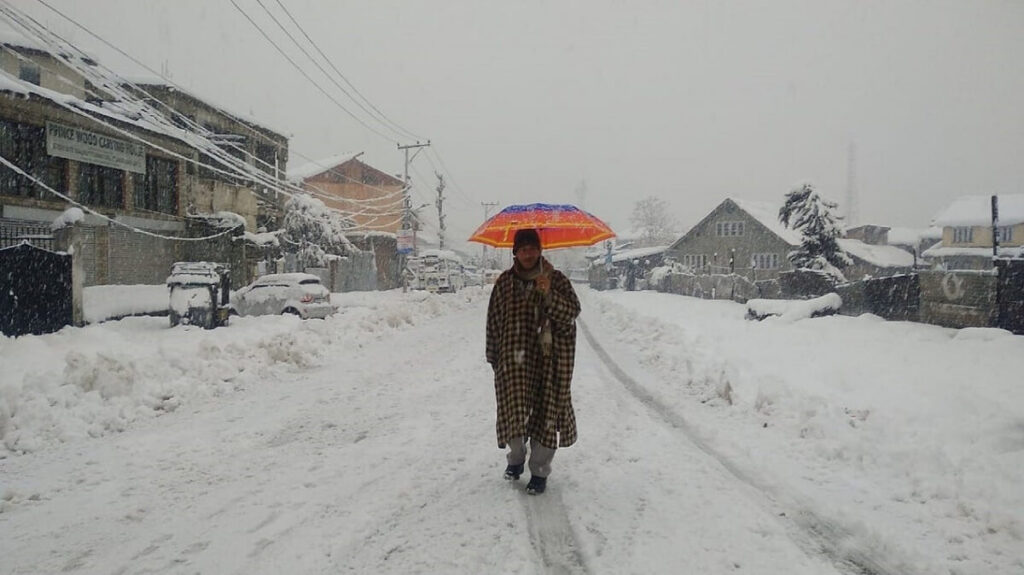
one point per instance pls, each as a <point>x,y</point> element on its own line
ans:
<point>295,293</point>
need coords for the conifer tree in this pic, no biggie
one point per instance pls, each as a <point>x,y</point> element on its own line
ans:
<point>806,211</point>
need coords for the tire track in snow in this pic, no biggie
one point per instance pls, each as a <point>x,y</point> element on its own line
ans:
<point>811,532</point>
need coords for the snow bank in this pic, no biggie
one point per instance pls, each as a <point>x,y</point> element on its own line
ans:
<point>792,310</point>
<point>101,303</point>
<point>879,424</point>
<point>92,381</point>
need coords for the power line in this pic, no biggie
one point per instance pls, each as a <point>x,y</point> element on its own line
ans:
<point>382,115</point>
<point>12,166</point>
<point>321,68</point>
<point>305,75</point>
<point>171,83</point>
<point>113,83</point>
<point>213,150</point>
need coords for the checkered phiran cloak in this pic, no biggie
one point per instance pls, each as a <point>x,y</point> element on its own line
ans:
<point>533,392</point>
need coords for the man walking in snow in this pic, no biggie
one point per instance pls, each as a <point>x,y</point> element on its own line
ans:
<point>531,346</point>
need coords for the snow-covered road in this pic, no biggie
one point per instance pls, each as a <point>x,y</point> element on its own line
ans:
<point>375,452</point>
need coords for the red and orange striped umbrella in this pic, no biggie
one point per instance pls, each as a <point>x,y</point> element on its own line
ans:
<point>559,225</point>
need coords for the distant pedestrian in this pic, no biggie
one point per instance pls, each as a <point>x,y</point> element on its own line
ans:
<point>531,346</point>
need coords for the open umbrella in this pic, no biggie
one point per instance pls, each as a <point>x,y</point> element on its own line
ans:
<point>559,225</point>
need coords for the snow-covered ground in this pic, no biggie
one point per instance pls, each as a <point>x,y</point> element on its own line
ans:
<point>365,443</point>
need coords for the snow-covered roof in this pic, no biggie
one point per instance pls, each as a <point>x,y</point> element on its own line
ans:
<point>441,254</point>
<point>940,251</point>
<point>128,113</point>
<point>145,82</point>
<point>637,253</point>
<point>13,38</point>
<point>294,277</point>
<point>768,215</point>
<point>311,169</point>
<point>882,256</point>
<point>912,236</point>
<point>977,211</point>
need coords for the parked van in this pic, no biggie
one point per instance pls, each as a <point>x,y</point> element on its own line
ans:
<point>440,271</point>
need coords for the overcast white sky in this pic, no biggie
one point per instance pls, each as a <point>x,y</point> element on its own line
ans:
<point>689,101</point>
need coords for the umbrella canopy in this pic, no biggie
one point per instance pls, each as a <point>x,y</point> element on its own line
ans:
<point>559,225</point>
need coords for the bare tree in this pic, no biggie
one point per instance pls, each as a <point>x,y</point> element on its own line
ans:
<point>652,219</point>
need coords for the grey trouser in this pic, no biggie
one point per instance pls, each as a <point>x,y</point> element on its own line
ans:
<point>540,456</point>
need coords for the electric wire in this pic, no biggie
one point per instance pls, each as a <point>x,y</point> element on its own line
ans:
<point>245,175</point>
<point>169,82</point>
<point>37,181</point>
<point>306,75</point>
<point>321,68</point>
<point>211,149</point>
<point>342,76</point>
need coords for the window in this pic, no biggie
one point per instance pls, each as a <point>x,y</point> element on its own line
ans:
<point>1004,234</point>
<point>25,147</point>
<point>764,261</point>
<point>963,235</point>
<point>695,260</point>
<point>29,72</point>
<point>157,190</point>
<point>726,229</point>
<point>100,186</point>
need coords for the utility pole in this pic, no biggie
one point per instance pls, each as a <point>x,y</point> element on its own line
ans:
<point>407,217</point>
<point>440,210</point>
<point>483,249</point>
<point>403,251</point>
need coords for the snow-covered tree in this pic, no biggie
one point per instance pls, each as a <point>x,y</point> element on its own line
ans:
<point>652,218</point>
<point>806,212</point>
<point>315,232</point>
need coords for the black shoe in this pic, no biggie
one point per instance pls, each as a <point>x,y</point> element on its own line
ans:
<point>512,472</point>
<point>537,485</point>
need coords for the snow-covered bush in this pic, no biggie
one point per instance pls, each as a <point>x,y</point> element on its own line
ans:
<point>315,232</point>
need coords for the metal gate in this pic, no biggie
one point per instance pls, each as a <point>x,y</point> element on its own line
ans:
<point>35,290</point>
<point>14,232</point>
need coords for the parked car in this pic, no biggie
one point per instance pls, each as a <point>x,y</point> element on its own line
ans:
<point>294,293</point>
<point>199,294</point>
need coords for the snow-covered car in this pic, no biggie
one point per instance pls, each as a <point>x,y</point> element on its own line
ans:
<point>295,293</point>
<point>198,294</point>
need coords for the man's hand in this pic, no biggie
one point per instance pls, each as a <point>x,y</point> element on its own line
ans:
<point>543,283</point>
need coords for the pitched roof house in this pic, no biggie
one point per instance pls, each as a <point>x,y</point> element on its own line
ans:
<point>967,232</point>
<point>371,197</point>
<point>746,237</point>
<point>738,236</point>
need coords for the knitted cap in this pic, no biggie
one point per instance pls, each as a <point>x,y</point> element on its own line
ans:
<point>525,237</point>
